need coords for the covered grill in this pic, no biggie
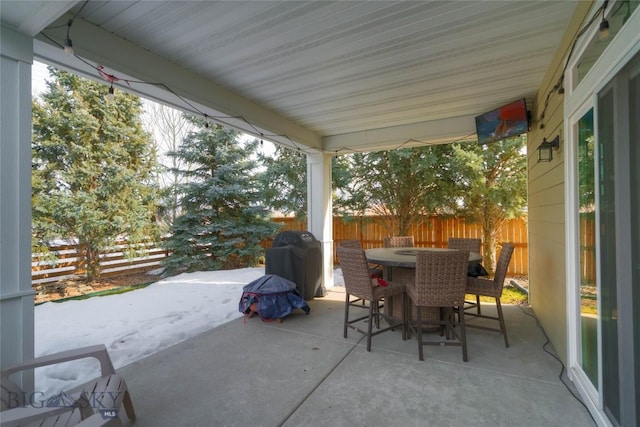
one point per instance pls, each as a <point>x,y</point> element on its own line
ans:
<point>296,256</point>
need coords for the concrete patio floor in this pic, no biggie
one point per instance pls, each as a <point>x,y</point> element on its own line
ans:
<point>302,372</point>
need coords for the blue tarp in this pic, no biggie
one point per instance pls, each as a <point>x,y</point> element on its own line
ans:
<point>274,297</point>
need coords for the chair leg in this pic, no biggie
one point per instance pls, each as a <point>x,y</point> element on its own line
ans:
<point>405,319</point>
<point>372,313</point>
<point>463,337</point>
<point>445,328</point>
<point>407,314</point>
<point>128,406</point>
<point>346,313</point>
<point>419,333</point>
<point>478,303</point>
<point>388,311</point>
<point>502,324</point>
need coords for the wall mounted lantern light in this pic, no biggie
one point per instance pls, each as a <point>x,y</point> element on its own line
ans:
<point>545,150</point>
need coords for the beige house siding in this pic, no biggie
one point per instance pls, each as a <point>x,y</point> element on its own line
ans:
<point>546,199</point>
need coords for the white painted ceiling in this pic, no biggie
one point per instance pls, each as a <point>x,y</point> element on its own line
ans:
<point>331,75</point>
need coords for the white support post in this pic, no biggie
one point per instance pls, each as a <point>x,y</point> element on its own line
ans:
<point>319,209</point>
<point>16,295</point>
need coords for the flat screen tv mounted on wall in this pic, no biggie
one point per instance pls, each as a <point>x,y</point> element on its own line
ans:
<point>504,122</point>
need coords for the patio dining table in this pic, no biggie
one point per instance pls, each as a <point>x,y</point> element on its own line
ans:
<point>406,257</point>
<point>399,265</point>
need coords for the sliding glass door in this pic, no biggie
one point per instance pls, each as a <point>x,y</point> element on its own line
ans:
<point>608,246</point>
<point>607,289</point>
<point>602,170</point>
<point>634,231</point>
<point>588,290</point>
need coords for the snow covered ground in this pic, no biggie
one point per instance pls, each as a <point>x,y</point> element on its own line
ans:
<point>136,324</point>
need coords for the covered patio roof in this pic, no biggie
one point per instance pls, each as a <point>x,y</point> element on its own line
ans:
<point>330,76</point>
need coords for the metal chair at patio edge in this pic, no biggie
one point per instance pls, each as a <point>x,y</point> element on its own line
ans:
<point>439,282</point>
<point>399,242</point>
<point>490,288</point>
<point>358,283</point>
<point>97,404</point>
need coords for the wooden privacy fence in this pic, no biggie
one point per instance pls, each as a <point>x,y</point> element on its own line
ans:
<point>67,263</point>
<point>434,231</point>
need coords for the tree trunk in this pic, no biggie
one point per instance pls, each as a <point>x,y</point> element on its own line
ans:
<point>92,262</point>
<point>489,247</point>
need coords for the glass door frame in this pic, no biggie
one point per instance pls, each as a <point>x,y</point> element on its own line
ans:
<point>577,102</point>
<point>572,221</point>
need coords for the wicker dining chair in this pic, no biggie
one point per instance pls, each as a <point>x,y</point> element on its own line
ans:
<point>355,244</point>
<point>375,270</point>
<point>490,288</point>
<point>398,242</point>
<point>359,284</point>
<point>471,245</point>
<point>439,282</point>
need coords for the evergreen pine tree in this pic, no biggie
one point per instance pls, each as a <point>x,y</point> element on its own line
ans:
<point>284,182</point>
<point>91,168</point>
<point>222,224</point>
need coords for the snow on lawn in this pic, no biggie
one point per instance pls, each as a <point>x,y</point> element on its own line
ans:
<point>136,324</point>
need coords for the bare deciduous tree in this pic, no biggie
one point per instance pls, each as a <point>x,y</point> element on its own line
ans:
<point>169,127</point>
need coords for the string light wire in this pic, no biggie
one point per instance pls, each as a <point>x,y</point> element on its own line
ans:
<point>225,120</point>
<point>347,150</point>
<point>189,106</point>
<point>559,86</point>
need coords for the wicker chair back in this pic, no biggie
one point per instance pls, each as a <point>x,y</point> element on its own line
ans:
<point>355,270</point>
<point>471,245</point>
<point>355,244</point>
<point>441,278</point>
<point>399,242</point>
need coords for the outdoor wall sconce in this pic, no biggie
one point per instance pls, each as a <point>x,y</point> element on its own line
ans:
<point>604,29</point>
<point>545,150</point>
<point>604,24</point>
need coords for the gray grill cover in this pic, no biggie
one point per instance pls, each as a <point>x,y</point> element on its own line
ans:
<point>297,256</point>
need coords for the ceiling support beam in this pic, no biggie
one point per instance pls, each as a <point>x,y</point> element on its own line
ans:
<point>411,135</point>
<point>103,48</point>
